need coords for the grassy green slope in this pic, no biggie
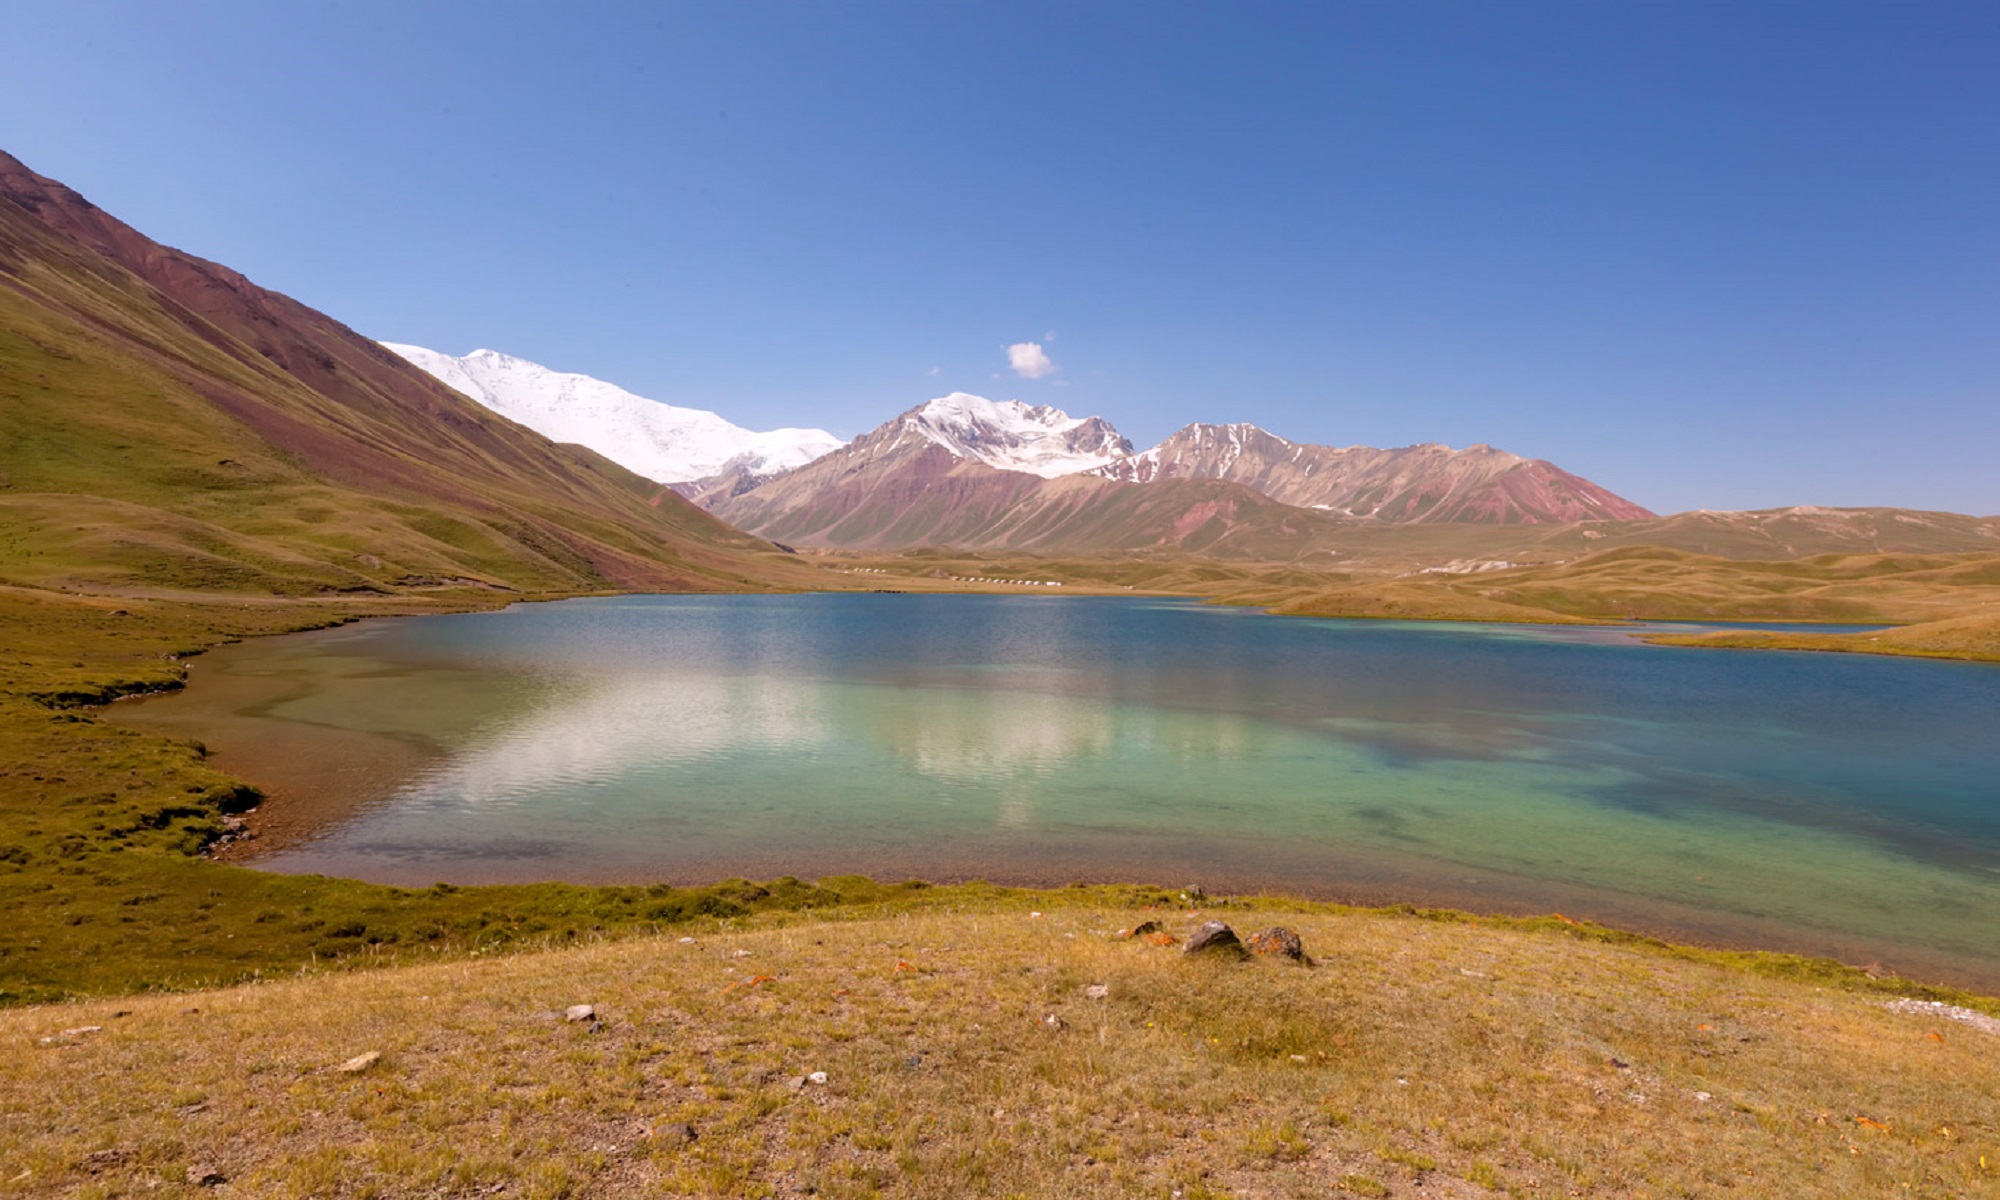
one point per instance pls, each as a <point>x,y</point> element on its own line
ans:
<point>164,423</point>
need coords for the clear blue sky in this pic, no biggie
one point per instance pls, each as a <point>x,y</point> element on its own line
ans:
<point>1719,255</point>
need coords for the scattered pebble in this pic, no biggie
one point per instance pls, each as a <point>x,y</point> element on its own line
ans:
<point>816,1077</point>
<point>359,1063</point>
<point>579,1012</point>
<point>739,954</point>
<point>1141,929</point>
<point>1054,1021</point>
<point>1951,1012</point>
<point>72,1034</point>
<point>203,1175</point>
<point>688,941</point>
<point>1097,991</point>
<point>1703,1097</point>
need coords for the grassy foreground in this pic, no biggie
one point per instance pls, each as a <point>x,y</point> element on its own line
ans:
<point>964,1053</point>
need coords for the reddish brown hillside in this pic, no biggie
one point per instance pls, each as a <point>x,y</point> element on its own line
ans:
<point>96,311</point>
<point>1416,484</point>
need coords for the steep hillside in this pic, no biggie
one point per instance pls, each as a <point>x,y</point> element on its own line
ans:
<point>1428,483</point>
<point>167,424</point>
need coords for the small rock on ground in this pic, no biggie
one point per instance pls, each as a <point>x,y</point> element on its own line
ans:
<point>1142,929</point>
<point>1213,936</point>
<point>359,1063</point>
<point>203,1175</point>
<point>579,1012</point>
<point>1280,941</point>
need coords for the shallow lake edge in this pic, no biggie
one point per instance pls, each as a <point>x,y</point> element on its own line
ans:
<point>569,902</point>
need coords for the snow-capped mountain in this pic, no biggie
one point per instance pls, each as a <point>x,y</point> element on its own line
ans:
<point>657,440</point>
<point>964,471</point>
<point>1011,436</point>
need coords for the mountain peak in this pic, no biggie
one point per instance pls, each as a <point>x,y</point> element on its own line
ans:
<point>1011,435</point>
<point>660,441</point>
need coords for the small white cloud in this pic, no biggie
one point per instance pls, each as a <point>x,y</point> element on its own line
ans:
<point>1028,360</point>
<point>936,371</point>
<point>1050,337</point>
<point>1059,382</point>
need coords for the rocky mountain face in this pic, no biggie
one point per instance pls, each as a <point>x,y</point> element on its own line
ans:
<point>902,484</point>
<point>665,443</point>
<point>966,471</point>
<point>1413,484</point>
<point>929,477</point>
<point>164,421</point>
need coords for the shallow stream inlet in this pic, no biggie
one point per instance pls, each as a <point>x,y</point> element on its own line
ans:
<point>1821,803</point>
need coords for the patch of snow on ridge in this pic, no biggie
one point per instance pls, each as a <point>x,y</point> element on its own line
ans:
<point>664,443</point>
<point>1013,436</point>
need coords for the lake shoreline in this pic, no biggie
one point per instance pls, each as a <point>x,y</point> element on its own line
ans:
<point>65,627</point>
<point>1354,873</point>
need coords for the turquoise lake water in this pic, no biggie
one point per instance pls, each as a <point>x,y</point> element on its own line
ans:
<point>1834,804</point>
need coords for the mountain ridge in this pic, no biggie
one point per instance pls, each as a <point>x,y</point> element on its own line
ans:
<point>168,422</point>
<point>963,470</point>
<point>1411,484</point>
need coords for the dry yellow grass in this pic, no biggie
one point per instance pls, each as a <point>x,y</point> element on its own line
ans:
<point>1417,1058</point>
<point>1975,636</point>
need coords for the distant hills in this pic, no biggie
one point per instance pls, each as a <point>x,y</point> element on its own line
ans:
<point>971,471</point>
<point>965,472</point>
<point>1424,483</point>
<point>1004,477</point>
<point>962,470</point>
<point>166,424</point>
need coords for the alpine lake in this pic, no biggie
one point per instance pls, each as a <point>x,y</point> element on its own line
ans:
<point>1841,805</point>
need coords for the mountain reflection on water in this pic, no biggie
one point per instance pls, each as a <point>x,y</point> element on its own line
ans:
<point>1834,803</point>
